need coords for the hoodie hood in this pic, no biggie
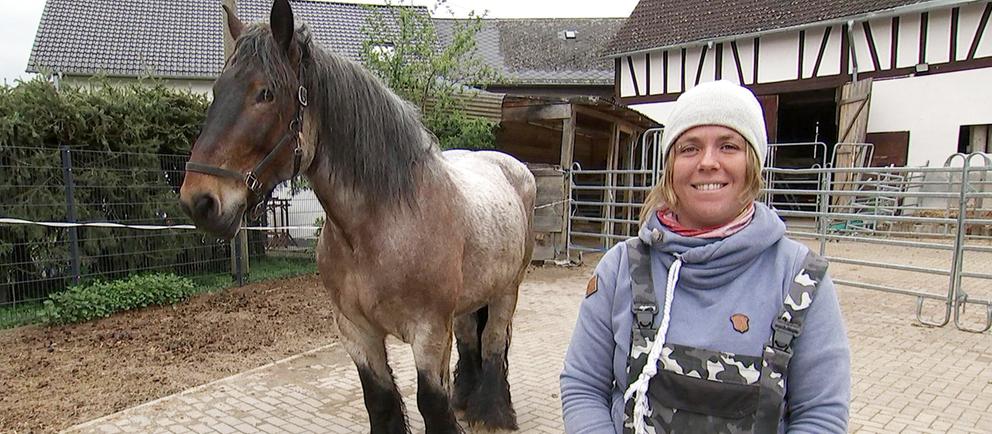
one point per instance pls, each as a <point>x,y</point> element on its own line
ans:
<point>714,262</point>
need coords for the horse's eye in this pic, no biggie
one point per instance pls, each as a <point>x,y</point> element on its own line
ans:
<point>264,95</point>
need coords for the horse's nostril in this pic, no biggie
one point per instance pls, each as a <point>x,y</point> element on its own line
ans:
<point>204,206</point>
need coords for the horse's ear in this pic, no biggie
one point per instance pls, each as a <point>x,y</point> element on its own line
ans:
<point>234,25</point>
<point>281,21</point>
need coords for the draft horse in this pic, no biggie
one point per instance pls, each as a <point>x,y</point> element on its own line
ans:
<point>417,243</point>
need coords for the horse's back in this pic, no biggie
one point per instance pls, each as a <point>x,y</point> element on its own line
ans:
<point>498,194</point>
<point>515,172</point>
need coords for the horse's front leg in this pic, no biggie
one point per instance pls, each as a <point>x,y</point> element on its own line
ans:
<point>382,399</point>
<point>432,353</point>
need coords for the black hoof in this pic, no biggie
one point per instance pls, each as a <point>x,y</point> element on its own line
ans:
<point>435,407</point>
<point>490,404</point>
<point>496,417</point>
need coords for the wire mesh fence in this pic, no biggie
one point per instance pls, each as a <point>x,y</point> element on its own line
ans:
<point>79,190</point>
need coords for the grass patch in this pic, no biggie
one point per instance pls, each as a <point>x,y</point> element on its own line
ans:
<point>21,314</point>
<point>102,299</point>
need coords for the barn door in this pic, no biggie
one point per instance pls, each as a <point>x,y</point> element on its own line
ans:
<point>850,150</point>
<point>854,100</point>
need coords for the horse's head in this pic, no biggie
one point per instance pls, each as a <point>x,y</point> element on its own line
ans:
<point>250,141</point>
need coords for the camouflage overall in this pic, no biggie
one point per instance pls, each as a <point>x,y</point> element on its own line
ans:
<point>702,391</point>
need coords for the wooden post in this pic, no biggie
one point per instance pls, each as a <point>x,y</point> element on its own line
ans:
<point>610,195</point>
<point>567,156</point>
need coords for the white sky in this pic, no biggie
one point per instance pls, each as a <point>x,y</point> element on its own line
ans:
<point>19,20</point>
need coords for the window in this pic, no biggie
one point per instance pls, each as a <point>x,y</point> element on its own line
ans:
<point>384,50</point>
<point>975,138</point>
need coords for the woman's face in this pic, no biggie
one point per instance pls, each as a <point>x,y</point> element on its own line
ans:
<point>708,174</point>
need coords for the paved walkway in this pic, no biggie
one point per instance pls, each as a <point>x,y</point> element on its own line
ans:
<point>907,378</point>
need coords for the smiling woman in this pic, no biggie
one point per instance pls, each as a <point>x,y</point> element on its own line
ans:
<point>694,325</point>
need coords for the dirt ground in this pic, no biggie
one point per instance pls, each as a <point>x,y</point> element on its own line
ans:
<point>54,377</point>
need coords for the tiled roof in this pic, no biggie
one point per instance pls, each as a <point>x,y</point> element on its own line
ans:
<point>535,51</point>
<point>169,38</point>
<point>663,23</point>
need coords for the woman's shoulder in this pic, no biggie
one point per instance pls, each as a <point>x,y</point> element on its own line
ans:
<point>613,260</point>
<point>791,249</point>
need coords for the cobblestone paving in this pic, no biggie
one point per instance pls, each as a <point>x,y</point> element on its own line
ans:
<point>906,378</point>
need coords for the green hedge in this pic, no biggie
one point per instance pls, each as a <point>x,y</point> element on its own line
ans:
<point>101,299</point>
<point>117,135</point>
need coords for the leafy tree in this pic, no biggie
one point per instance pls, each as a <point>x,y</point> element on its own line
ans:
<point>404,49</point>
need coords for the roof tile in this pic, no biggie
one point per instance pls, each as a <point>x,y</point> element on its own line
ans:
<point>663,23</point>
<point>533,51</point>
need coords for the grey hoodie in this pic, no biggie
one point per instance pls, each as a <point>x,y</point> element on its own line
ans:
<point>746,273</point>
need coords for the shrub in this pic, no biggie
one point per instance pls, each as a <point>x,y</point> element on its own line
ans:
<point>121,139</point>
<point>101,299</point>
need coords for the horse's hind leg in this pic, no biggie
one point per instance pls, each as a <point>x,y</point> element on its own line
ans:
<point>491,404</point>
<point>468,333</point>
<point>432,353</point>
<point>382,400</point>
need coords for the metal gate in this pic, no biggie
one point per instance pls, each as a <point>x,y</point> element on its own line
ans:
<point>924,232</point>
<point>605,204</point>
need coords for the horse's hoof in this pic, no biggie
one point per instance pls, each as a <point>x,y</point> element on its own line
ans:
<point>491,416</point>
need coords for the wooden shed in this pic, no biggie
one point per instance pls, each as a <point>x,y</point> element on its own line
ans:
<point>553,135</point>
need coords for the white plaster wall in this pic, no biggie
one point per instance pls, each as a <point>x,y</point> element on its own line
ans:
<point>968,20</point>
<point>881,33</point>
<point>830,65</point>
<point>658,111</point>
<point>932,108</point>
<point>939,36</point>
<point>909,41</point>
<point>692,55</point>
<point>626,82</point>
<point>304,210</point>
<point>811,49</point>
<point>729,65</point>
<point>745,48</point>
<point>862,54</point>
<point>709,65</point>
<point>196,86</point>
<point>640,74</point>
<point>657,72</point>
<point>674,71</point>
<point>778,57</point>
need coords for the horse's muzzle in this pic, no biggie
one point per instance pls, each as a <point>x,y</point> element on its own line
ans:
<point>208,215</point>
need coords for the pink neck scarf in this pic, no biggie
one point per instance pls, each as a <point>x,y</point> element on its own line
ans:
<point>671,221</point>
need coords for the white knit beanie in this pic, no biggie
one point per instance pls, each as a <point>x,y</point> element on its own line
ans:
<point>722,103</point>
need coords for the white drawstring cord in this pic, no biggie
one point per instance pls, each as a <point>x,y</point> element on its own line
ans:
<point>640,387</point>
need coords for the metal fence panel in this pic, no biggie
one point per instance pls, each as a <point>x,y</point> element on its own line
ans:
<point>923,232</point>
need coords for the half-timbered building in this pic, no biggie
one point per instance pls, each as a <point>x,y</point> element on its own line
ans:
<point>913,77</point>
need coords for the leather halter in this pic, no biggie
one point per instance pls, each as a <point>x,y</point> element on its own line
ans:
<point>251,177</point>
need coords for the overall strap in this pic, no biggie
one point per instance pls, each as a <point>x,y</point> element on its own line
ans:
<point>778,352</point>
<point>644,306</point>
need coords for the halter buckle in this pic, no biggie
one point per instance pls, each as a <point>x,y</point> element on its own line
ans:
<point>252,182</point>
<point>301,95</point>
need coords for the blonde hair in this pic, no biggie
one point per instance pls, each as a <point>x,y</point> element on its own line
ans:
<point>663,194</point>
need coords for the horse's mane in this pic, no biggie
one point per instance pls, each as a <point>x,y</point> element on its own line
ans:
<point>369,138</point>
